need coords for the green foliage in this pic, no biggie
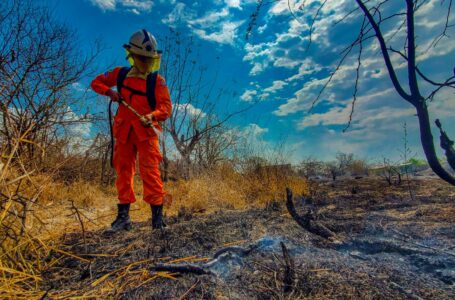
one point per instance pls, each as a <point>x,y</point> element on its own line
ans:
<point>417,162</point>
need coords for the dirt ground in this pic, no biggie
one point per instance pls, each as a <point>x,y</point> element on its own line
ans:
<point>391,245</point>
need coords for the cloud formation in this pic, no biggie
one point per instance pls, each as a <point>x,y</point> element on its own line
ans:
<point>379,112</point>
<point>133,6</point>
<point>218,24</point>
<point>190,110</point>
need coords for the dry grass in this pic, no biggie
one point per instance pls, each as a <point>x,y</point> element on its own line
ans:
<point>226,189</point>
<point>55,208</point>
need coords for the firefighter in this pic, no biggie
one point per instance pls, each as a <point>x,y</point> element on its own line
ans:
<point>146,91</point>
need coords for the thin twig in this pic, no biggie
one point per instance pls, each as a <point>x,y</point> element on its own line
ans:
<point>190,289</point>
<point>357,73</point>
<point>76,212</point>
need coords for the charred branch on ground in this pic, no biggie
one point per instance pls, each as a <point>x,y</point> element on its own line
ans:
<point>307,221</point>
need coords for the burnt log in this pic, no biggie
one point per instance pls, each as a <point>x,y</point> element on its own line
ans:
<point>289,272</point>
<point>308,221</point>
<point>205,269</point>
<point>181,268</point>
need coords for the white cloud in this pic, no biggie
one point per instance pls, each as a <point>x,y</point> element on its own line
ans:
<point>304,98</point>
<point>209,19</point>
<point>250,139</point>
<point>190,110</point>
<point>257,68</point>
<point>248,95</point>
<point>276,86</point>
<point>226,34</point>
<point>264,96</point>
<point>140,5</point>
<point>233,3</point>
<point>307,67</point>
<point>104,4</point>
<point>259,55</point>
<point>279,8</point>
<point>180,13</point>
<point>217,25</point>
<point>77,130</point>
<point>133,6</point>
<point>255,130</point>
<point>262,28</point>
<point>285,62</point>
<point>77,86</point>
<point>368,114</point>
<point>279,53</point>
<point>239,4</point>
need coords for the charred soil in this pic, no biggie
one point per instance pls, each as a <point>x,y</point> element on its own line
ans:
<point>390,245</point>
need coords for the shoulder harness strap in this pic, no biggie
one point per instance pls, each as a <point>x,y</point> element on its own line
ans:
<point>121,77</point>
<point>150,86</point>
<point>151,83</point>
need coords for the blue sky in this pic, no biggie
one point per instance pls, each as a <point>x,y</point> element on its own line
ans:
<point>274,69</point>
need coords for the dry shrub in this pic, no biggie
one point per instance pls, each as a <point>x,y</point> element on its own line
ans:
<point>224,188</point>
<point>21,252</point>
<point>84,194</point>
<point>34,212</point>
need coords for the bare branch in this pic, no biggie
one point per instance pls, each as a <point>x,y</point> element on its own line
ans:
<point>321,6</point>
<point>443,34</point>
<point>357,73</point>
<point>306,221</point>
<point>385,54</point>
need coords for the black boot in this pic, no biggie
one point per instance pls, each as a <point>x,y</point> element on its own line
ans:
<point>123,221</point>
<point>157,217</point>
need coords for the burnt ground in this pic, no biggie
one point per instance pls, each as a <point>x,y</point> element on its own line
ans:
<point>390,246</point>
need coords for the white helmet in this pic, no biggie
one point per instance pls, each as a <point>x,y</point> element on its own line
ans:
<point>142,43</point>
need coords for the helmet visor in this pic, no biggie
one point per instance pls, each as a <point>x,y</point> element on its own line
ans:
<point>145,64</point>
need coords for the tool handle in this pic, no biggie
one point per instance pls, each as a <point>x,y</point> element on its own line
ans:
<point>145,122</point>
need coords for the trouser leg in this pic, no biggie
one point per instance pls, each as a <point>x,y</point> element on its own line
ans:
<point>125,164</point>
<point>149,160</point>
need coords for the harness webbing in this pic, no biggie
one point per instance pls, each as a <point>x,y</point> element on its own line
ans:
<point>150,94</point>
<point>150,86</point>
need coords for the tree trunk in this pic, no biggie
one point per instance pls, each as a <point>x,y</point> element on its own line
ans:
<point>186,165</point>
<point>426,138</point>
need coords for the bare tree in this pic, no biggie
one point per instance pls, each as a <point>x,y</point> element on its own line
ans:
<point>375,17</point>
<point>390,172</point>
<point>332,169</point>
<point>340,166</point>
<point>344,161</point>
<point>212,148</point>
<point>194,95</point>
<point>310,167</point>
<point>39,63</point>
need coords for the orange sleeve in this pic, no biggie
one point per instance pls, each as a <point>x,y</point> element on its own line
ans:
<point>103,82</point>
<point>163,100</point>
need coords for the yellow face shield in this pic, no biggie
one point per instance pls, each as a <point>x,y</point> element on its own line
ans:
<point>145,64</point>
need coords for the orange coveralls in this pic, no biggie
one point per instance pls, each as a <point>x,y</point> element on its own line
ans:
<point>132,138</point>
